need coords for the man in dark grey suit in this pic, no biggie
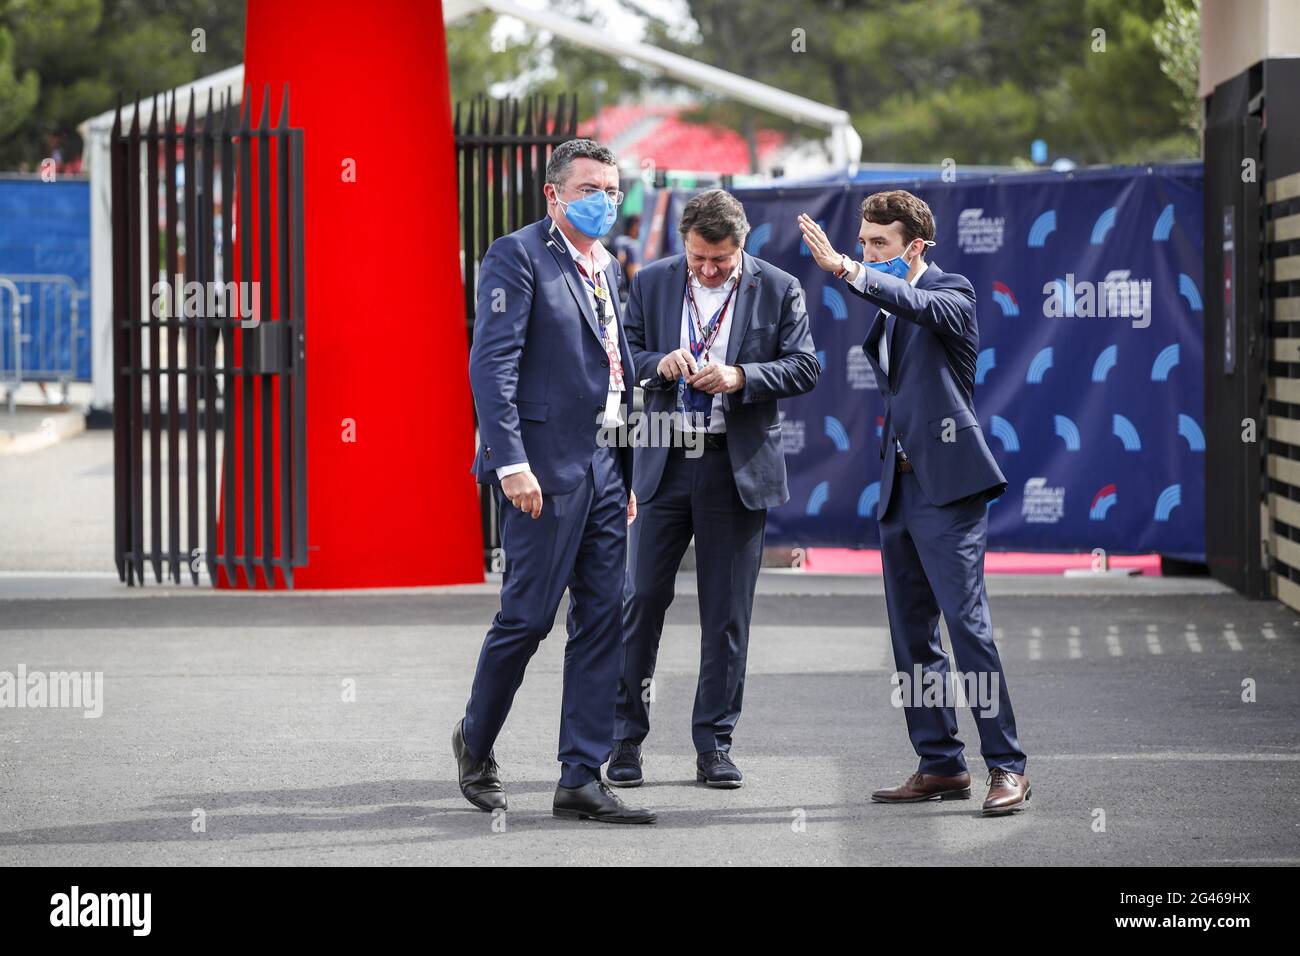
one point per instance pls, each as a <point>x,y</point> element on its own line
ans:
<point>938,477</point>
<point>716,337</point>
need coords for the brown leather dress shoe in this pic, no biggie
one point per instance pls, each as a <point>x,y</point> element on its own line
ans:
<point>926,786</point>
<point>1008,792</point>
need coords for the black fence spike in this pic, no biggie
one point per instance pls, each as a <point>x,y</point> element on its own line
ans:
<point>265,124</point>
<point>284,108</point>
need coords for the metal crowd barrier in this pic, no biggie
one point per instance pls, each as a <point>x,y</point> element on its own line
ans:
<point>39,331</point>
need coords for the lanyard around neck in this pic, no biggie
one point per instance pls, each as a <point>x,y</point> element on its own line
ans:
<point>708,333</point>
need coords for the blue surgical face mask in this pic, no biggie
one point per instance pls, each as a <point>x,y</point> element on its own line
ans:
<point>592,215</point>
<point>897,266</point>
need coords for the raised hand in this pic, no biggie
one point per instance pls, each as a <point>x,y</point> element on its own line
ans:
<point>823,252</point>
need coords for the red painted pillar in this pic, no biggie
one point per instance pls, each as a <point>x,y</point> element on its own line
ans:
<point>386,346</point>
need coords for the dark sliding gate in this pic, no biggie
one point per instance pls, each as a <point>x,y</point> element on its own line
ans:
<point>186,363</point>
<point>501,151</point>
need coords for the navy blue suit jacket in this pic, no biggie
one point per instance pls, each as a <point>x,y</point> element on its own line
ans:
<point>770,340</point>
<point>928,392</point>
<point>537,365</point>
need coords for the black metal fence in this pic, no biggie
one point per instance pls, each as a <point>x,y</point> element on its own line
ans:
<point>183,352</point>
<point>502,147</point>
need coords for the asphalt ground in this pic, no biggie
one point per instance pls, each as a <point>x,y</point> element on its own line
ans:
<point>233,709</point>
<point>313,727</point>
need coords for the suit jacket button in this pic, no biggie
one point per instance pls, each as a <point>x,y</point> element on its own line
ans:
<point>487,452</point>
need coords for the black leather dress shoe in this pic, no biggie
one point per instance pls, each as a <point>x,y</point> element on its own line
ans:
<point>624,768</point>
<point>717,769</point>
<point>595,801</point>
<point>479,779</point>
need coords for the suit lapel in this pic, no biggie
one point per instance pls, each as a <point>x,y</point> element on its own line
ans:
<point>871,344</point>
<point>555,242</point>
<point>670,315</point>
<point>891,339</point>
<point>746,303</point>
<point>611,285</point>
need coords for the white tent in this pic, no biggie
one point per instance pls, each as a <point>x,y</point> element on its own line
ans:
<point>845,144</point>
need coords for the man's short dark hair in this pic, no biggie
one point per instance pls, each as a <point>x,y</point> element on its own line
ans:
<point>900,206</point>
<point>557,167</point>
<point>716,216</point>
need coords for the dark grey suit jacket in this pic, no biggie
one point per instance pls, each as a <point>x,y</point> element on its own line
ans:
<point>770,340</point>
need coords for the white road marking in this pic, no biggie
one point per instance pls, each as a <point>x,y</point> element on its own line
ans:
<point>1230,636</point>
<point>1153,640</point>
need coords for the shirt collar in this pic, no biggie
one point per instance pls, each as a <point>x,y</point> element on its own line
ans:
<point>730,281</point>
<point>920,272</point>
<point>599,254</point>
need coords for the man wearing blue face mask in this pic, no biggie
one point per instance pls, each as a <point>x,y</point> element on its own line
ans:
<point>547,370</point>
<point>938,477</point>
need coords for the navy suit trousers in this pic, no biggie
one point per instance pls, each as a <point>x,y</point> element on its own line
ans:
<point>696,497</point>
<point>578,542</point>
<point>934,562</point>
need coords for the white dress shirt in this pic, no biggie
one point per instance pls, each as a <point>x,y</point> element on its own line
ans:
<point>859,282</point>
<point>709,301</point>
<point>614,398</point>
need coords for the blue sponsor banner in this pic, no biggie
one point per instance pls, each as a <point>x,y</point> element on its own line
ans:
<point>45,229</point>
<point>1090,305</point>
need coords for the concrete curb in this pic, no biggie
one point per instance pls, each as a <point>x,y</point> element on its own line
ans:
<point>41,431</point>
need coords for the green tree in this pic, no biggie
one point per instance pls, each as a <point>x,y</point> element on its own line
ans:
<point>1178,39</point>
<point>972,80</point>
<point>18,94</point>
<point>85,52</point>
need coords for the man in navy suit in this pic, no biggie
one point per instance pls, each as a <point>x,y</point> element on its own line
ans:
<point>937,479</point>
<point>551,373</point>
<point>717,337</point>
